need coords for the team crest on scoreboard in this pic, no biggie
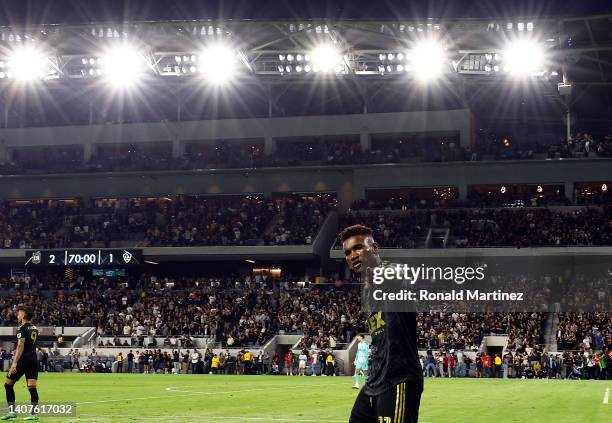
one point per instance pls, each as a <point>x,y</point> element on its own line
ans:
<point>127,256</point>
<point>36,257</point>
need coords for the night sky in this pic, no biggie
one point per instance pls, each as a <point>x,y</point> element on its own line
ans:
<point>14,12</point>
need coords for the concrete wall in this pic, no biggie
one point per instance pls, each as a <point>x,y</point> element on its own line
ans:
<point>66,331</point>
<point>398,254</point>
<point>495,341</point>
<point>362,125</point>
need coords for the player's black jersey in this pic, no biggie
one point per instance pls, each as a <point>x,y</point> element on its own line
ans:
<point>395,357</point>
<point>29,333</point>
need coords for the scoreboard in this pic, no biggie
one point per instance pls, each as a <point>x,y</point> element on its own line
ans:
<point>83,257</point>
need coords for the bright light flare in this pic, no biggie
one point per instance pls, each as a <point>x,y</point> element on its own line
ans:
<point>326,58</point>
<point>428,59</point>
<point>218,63</point>
<point>28,64</point>
<point>523,58</point>
<point>123,65</point>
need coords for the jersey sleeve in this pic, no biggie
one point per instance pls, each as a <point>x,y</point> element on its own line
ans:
<point>23,332</point>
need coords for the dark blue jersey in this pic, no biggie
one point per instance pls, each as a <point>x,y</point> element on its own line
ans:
<point>395,357</point>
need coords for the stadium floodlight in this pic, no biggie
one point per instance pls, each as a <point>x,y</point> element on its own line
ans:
<point>218,63</point>
<point>523,58</point>
<point>326,58</point>
<point>27,64</point>
<point>123,65</point>
<point>427,59</point>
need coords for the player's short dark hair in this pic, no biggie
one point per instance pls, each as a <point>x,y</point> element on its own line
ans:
<point>355,230</point>
<point>27,314</point>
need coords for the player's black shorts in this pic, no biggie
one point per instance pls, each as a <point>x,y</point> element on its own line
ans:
<point>30,370</point>
<point>399,405</point>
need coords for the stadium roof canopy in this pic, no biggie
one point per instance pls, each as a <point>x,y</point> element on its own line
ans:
<point>368,56</point>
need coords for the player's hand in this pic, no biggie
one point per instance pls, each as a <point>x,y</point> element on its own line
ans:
<point>13,369</point>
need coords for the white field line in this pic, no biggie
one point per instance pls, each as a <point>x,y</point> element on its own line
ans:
<point>211,418</point>
<point>194,393</point>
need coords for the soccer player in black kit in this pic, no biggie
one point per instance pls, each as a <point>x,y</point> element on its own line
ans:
<point>25,363</point>
<point>392,393</point>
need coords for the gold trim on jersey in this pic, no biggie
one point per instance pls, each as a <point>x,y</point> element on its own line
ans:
<point>400,406</point>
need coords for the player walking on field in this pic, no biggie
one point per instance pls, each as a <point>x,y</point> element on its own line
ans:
<point>392,392</point>
<point>361,361</point>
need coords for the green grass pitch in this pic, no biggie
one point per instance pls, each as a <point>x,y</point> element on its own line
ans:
<point>276,399</point>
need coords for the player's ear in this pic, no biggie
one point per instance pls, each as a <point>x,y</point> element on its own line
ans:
<point>375,247</point>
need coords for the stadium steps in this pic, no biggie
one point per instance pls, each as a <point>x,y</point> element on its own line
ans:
<point>550,335</point>
<point>437,237</point>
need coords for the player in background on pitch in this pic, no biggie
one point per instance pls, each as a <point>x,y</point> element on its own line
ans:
<point>392,393</point>
<point>24,363</point>
<point>361,360</point>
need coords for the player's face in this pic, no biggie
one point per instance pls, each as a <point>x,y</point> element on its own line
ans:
<point>359,249</point>
<point>20,315</point>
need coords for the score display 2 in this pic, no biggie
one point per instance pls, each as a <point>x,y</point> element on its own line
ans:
<point>84,257</point>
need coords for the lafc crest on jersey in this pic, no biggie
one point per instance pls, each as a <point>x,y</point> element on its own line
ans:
<point>375,323</point>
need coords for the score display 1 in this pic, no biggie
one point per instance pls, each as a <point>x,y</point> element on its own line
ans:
<point>84,257</point>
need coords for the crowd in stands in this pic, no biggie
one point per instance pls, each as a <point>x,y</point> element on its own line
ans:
<point>299,220</point>
<point>588,331</point>
<point>245,312</point>
<point>240,312</point>
<point>221,155</point>
<point>390,229</point>
<point>580,145</point>
<point>138,315</point>
<point>200,221</point>
<point>453,331</point>
<point>178,221</point>
<point>327,319</point>
<point>128,158</point>
<point>317,151</point>
<point>524,227</point>
<point>291,220</point>
<point>528,363</point>
<point>530,228</point>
